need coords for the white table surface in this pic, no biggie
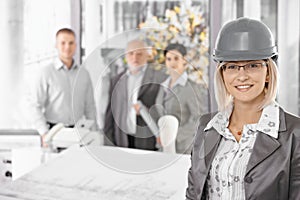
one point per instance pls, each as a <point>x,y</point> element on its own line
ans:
<point>104,173</point>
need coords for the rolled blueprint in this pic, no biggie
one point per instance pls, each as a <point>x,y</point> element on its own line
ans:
<point>148,119</point>
<point>168,128</point>
<point>52,132</point>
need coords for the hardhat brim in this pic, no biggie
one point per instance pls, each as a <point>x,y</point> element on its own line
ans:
<point>242,55</point>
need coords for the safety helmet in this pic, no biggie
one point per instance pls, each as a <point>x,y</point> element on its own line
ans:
<point>244,39</point>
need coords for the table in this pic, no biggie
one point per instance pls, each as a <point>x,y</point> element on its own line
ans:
<point>102,172</point>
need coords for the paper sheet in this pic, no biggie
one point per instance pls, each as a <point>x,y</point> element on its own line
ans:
<point>78,174</point>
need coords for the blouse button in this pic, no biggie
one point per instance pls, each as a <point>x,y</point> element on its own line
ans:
<point>248,180</point>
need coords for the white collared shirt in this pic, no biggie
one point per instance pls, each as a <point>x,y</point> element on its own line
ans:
<point>226,176</point>
<point>61,95</point>
<point>180,81</point>
<point>134,83</point>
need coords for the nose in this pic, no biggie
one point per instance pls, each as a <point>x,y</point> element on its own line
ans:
<point>172,63</point>
<point>67,46</point>
<point>242,74</point>
<point>135,56</point>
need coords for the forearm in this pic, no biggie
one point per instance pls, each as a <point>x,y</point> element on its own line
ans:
<point>38,120</point>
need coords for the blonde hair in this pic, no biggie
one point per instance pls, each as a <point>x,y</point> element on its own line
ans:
<point>223,98</point>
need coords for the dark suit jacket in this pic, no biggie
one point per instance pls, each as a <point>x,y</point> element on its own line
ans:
<point>273,171</point>
<point>117,110</point>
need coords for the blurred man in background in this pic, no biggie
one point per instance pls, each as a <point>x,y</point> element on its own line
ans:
<point>139,83</point>
<point>63,91</point>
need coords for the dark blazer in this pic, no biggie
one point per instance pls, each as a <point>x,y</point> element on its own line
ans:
<point>117,110</point>
<point>273,170</point>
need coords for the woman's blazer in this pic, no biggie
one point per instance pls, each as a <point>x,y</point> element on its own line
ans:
<point>187,103</point>
<point>273,170</point>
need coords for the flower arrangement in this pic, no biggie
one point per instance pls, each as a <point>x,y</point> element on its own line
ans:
<point>185,24</point>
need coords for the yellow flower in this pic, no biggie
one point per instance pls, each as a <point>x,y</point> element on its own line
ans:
<point>161,58</point>
<point>192,16</point>
<point>177,9</point>
<point>202,36</point>
<point>157,44</point>
<point>181,25</point>
<point>203,49</point>
<point>172,28</point>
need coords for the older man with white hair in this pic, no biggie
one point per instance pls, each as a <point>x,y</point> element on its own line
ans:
<point>124,126</point>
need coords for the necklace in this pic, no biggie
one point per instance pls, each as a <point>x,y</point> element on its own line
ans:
<point>236,131</point>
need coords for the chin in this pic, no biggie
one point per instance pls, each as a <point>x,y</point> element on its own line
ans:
<point>135,66</point>
<point>248,99</point>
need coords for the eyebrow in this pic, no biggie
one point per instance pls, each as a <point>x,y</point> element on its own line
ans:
<point>244,63</point>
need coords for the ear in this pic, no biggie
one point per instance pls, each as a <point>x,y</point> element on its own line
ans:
<point>267,78</point>
<point>185,60</point>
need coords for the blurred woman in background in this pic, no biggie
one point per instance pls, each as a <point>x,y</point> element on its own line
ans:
<point>181,97</point>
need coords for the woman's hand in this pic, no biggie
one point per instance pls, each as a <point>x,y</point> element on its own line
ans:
<point>44,144</point>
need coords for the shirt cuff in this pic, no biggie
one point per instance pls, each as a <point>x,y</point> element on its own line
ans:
<point>42,130</point>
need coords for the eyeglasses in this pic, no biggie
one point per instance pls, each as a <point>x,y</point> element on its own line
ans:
<point>233,68</point>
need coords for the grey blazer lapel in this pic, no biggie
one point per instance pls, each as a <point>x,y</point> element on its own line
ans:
<point>159,109</point>
<point>160,96</point>
<point>265,145</point>
<point>121,87</point>
<point>172,93</point>
<point>211,143</point>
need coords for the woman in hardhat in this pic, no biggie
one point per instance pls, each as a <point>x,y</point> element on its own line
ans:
<point>250,149</point>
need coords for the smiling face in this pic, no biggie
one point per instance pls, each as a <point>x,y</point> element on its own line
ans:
<point>246,86</point>
<point>66,45</point>
<point>175,63</point>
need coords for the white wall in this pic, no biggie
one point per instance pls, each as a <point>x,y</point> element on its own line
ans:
<point>11,51</point>
<point>28,30</point>
<point>288,61</point>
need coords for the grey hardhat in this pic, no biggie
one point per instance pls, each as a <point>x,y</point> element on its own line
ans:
<point>244,39</point>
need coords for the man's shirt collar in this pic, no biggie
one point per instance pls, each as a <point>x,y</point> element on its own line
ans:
<point>58,64</point>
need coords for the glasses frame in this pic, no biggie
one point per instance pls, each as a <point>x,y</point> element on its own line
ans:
<point>246,69</point>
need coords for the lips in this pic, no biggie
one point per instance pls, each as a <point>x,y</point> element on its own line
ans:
<point>136,63</point>
<point>243,87</point>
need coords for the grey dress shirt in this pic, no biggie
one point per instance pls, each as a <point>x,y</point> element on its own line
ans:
<point>61,95</point>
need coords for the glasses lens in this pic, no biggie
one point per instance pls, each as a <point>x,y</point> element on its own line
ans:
<point>230,68</point>
<point>250,67</point>
<point>253,67</point>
